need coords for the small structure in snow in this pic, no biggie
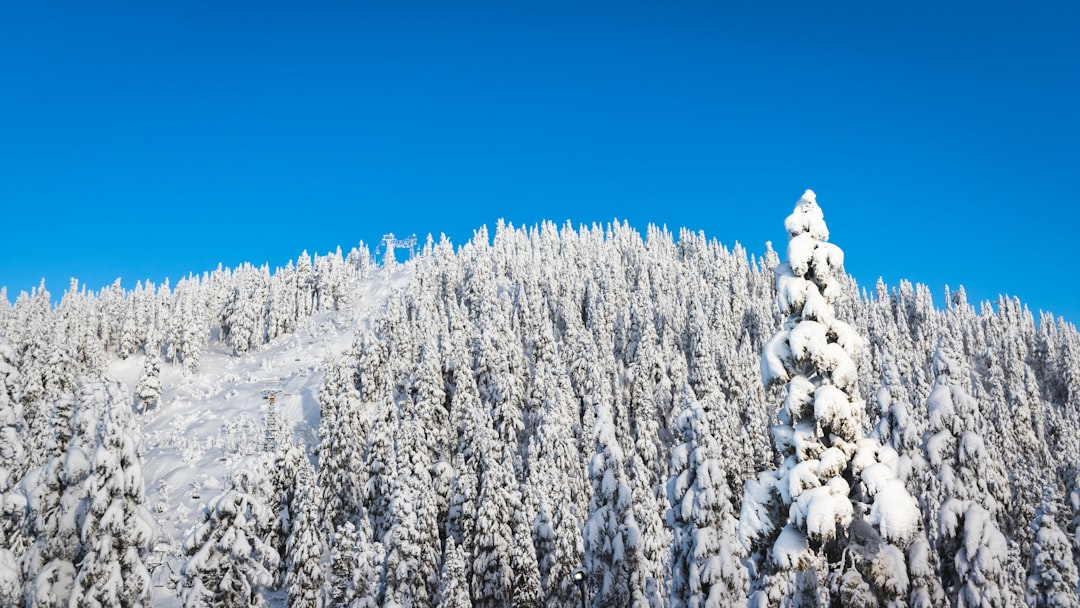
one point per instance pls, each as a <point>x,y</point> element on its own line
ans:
<point>390,242</point>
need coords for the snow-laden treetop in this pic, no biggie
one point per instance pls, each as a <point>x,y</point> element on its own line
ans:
<point>808,218</point>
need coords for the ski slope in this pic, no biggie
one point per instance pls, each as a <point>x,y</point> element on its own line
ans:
<point>213,424</point>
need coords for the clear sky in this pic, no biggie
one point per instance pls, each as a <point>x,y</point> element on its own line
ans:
<point>145,140</point>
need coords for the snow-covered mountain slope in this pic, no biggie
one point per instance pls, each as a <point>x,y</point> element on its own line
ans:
<point>214,423</point>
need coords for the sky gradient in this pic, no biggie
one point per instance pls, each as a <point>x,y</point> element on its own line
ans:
<point>153,140</point>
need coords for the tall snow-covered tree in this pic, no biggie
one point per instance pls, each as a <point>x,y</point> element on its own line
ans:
<point>833,514</point>
<point>972,551</point>
<point>115,527</point>
<point>453,587</point>
<point>411,568</point>
<point>705,568</point>
<point>612,534</point>
<point>12,421</point>
<point>304,576</point>
<point>1053,582</point>
<point>493,540</point>
<point>148,390</point>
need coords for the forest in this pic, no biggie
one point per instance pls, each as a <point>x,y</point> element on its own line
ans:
<point>563,416</point>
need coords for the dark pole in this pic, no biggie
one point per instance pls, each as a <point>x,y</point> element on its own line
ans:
<point>579,578</point>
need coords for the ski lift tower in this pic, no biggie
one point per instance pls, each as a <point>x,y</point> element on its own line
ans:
<point>389,241</point>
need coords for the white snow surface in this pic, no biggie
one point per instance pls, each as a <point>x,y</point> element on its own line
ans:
<point>213,424</point>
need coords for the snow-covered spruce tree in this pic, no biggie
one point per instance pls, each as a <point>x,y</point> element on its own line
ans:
<point>612,535</point>
<point>115,527</point>
<point>493,541</point>
<point>228,562</point>
<point>10,578</point>
<point>833,514</point>
<point>12,422</point>
<point>370,555</point>
<point>148,390</point>
<point>704,563</point>
<point>453,586</point>
<point>56,496</point>
<point>555,478</point>
<point>342,565</point>
<point>897,429</point>
<point>284,487</point>
<point>335,447</point>
<point>972,551</point>
<point>12,469</point>
<point>304,576</point>
<point>1053,582</point>
<point>526,592</point>
<point>195,327</point>
<point>411,567</point>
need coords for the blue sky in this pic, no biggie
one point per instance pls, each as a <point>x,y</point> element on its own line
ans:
<point>152,139</point>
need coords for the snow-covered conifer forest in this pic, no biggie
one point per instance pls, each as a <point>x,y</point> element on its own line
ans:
<point>550,416</point>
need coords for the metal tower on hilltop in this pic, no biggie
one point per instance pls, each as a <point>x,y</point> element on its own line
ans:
<point>390,242</point>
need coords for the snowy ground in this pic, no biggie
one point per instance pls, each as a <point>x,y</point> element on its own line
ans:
<point>213,424</point>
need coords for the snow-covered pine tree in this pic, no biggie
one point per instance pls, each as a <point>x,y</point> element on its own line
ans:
<point>453,586</point>
<point>56,503</point>
<point>898,430</point>
<point>148,390</point>
<point>115,527</point>
<point>411,567</point>
<point>972,551</point>
<point>612,535</point>
<point>12,422</point>
<point>526,585</point>
<point>493,540</point>
<point>342,565</point>
<point>229,565</point>
<point>833,514</point>
<point>12,468</point>
<point>195,326</point>
<point>1053,582</point>
<point>897,427</point>
<point>555,479</point>
<point>244,319</point>
<point>705,568</point>
<point>285,484</point>
<point>304,576</point>
<point>11,586</point>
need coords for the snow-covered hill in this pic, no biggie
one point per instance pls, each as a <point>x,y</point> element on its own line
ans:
<point>215,423</point>
<point>494,418</point>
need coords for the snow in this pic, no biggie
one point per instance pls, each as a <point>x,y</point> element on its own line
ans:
<point>807,340</point>
<point>821,509</point>
<point>791,548</point>
<point>831,405</point>
<point>971,447</point>
<point>800,478</point>
<point>213,423</point>
<point>828,264</point>
<point>807,217</point>
<point>800,251</point>
<point>792,291</point>
<point>10,586</point>
<point>773,355</point>
<point>895,511</point>
<point>816,307</point>
<point>832,462</point>
<point>755,521</point>
<point>800,397</point>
